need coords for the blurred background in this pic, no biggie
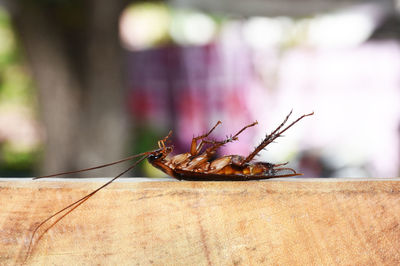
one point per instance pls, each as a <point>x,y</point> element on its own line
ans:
<point>84,83</point>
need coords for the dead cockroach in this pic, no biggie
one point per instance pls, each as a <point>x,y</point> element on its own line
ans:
<point>196,165</point>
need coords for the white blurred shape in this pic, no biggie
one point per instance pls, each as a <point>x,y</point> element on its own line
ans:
<point>340,30</point>
<point>192,28</point>
<point>143,26</point>
<point>18,128</point>
<point>262,32</point>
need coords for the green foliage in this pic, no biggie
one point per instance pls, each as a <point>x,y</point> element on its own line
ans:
<point>16,96</point>
<point>17,163</point>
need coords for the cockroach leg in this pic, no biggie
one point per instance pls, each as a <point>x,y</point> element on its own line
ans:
<point>194,148</point>
<point>161,143</point>
<point>243,129</point>
<point>271,137</point>
<point>218,144</point>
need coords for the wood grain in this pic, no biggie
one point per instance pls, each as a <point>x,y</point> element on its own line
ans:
<point>302,222</point>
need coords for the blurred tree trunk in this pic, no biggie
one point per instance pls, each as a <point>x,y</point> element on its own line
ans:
<point>74,53</point>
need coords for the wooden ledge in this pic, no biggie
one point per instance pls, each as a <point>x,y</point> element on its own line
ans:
<point>301,222</point>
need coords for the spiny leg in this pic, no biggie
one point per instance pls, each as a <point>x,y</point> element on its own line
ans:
<point>243,129</point>
<point>218,144</point>
<point>194,148</point>
<point>161,143</point>
<point>274,135</point>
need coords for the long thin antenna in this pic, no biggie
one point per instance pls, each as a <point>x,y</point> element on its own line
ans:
<point>97,167</point>
<point>77,203</point>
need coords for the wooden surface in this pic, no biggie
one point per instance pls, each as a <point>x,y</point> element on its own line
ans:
<point>276,222</point>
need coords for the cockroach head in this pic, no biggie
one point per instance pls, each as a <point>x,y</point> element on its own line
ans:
<point>160,154</point>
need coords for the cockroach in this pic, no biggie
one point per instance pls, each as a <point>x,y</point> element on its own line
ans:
<point>197,165</point>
